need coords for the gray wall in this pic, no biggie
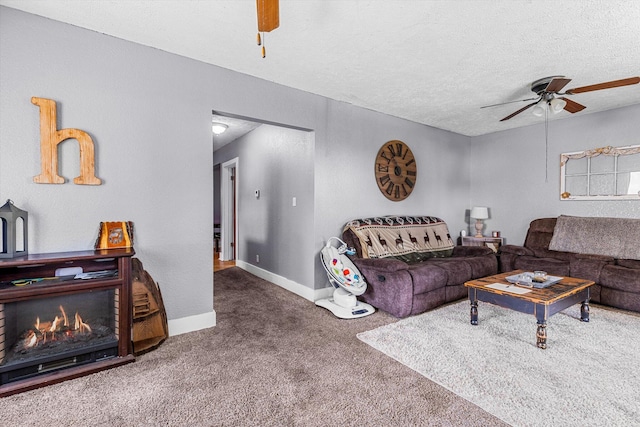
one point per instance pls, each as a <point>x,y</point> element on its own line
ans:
<point>279,163</point>
<point>510,172</point>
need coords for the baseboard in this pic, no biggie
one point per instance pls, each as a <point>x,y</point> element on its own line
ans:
<point>191,323</point>
<point>208,320</point>
<point>283,282</point>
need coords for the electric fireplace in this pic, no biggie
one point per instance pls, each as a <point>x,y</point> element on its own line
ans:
<point>55,326</point>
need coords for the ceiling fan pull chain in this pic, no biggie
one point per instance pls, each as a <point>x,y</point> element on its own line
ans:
<point>258,39</point>
<point>264,48</point>
<point>546,145</point>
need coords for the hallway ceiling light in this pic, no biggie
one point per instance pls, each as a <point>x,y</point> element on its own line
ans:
<point>218,128</point>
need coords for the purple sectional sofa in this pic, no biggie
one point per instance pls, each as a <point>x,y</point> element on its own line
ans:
<point>604,250</point>
<point>411,264</point>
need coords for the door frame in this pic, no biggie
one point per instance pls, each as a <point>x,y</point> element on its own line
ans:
<point>228,219</point>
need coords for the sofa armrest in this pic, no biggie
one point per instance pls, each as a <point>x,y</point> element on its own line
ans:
<point>465,251</point>
<point>380,264</point>
<point>515,250</point>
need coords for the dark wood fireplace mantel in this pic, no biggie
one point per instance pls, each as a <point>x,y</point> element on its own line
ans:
<point>44,265</point>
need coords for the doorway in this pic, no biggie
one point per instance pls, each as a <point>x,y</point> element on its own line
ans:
<point>228,218</point>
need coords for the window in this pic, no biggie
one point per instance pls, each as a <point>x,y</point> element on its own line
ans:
<point>607,173</point>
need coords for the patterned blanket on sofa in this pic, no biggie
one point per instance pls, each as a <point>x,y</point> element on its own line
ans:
<point>615,237</point>
<point>407,238</point>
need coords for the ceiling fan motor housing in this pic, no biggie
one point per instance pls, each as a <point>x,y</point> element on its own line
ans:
<point>540,85</point>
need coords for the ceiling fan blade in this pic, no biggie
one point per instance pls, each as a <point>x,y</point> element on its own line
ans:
<point>268,15</point>
<point>509,102</point>
<point>557,84</point>
<point>606,85</point>
<point>519,111</point>
<point>572,106</point>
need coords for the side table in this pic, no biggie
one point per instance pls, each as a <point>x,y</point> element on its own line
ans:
<point>492,242</point>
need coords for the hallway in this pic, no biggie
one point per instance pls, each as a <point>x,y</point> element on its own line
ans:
<point>221,265</point>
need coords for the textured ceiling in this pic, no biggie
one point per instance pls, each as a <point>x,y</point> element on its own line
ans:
<point>236,128</point>
<point>434,62</point>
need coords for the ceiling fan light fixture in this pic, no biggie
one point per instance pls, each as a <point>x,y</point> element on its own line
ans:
<point>539,109</point>
<point>556,105</point>
<point>218,128</point>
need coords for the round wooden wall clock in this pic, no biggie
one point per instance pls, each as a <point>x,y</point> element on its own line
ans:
<point>396,170</point>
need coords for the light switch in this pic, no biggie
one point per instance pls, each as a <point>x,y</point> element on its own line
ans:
<point>294,202</point>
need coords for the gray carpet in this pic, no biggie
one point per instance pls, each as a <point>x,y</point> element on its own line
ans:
<point>274,359</point>
<point>588,376</point>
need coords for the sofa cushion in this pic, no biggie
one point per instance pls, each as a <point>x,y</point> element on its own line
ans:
<point>620,299</point>
<point>515,250</point>
<point>621,278</point>
<point>589,266</point>
<point>427,277</point>
<point>540,233</point>
<point>407,238</point>
<point>629,263</point>
<point>482,266</point>
<point>552,266</point>
<point>546,253</point>
<point>458,271</point>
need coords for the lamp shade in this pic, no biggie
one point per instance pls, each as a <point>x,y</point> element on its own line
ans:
<point>479,212</point>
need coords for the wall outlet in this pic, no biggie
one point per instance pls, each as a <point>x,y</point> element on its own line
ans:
<point>257,258</point>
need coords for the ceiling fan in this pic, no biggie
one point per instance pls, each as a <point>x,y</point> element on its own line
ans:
<point>548,94</point>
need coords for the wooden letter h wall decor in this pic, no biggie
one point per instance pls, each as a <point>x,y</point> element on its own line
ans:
<point>50,137</point>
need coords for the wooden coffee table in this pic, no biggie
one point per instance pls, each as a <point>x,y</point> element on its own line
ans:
<point>542,303</point>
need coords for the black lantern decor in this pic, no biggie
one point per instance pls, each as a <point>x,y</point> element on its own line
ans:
<point>14,223</point>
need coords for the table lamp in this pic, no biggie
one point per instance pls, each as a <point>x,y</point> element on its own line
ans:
<point>479,213</point>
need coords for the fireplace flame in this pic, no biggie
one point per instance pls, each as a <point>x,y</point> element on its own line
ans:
<point>56,329</point>
<point>31,339</point>
<point>64,316</point>
<point>55,325</point>
<point>80,325</point>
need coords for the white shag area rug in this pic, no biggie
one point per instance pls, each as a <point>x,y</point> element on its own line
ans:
<point>589,375</point>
